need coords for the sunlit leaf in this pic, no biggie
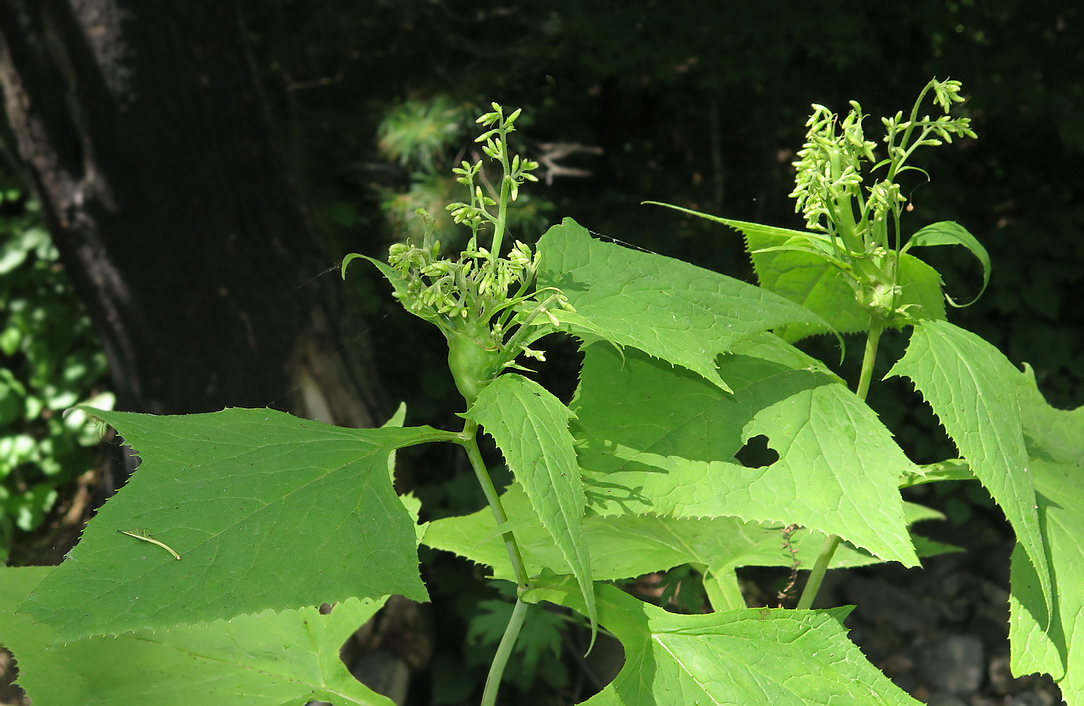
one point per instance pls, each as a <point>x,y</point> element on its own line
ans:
<point>972,388</point>
<point>749,656</point>
<point>666,308</point>
<point>656,439</point>
<point>1052,640</point>
<point>530,427</point>
<point>239,494</point>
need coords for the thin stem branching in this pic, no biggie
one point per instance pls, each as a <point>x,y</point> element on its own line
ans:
<point>831,542</point>
<point>468,438</point>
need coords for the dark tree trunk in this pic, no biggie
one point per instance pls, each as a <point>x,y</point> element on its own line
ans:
<point>145,136</point>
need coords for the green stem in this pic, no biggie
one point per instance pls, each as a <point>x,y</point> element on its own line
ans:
<point>504,651</point>
<point>468,439</point>
<point>722,589</point>
<point>502,208</point>
<point>869,357</point>
<point>828,549</point>
<point>502,220</point>
<point>816,576</point>
<point>427,435</point>
<point>911,120</point>
<point>514,346</point>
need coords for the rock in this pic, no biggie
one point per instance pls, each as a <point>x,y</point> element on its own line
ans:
<point>952,665</point>
<point>878,601</point>
<point>945,700</point>
<point>999,674</point>
<point>1033,698</point>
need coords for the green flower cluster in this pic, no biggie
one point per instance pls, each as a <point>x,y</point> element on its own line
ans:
<point>485,304</point>
<point>453,289</point>
<point>863,223</point>
<point>830,166</point>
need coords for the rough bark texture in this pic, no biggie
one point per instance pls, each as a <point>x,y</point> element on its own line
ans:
<point>142,129</point>
<point>144,133</point>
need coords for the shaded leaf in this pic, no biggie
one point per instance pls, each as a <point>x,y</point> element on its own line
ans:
<point>625,546</point>
<point>656,439</point>
<point>290,657</point>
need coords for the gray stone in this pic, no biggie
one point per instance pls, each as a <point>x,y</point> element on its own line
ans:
<point>952,664</point>
<point>1033,698</point>
<point>999,674</point>
<point>945,700</point>
<point>880,602</point>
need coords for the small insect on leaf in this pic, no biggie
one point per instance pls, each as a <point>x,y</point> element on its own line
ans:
<point>145,535</point>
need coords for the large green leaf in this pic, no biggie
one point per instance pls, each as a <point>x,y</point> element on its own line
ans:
<point>972,388</point>
<point>658,439</point>
<point>290,657</point>
<point>797,265</point>
<point>805,277</point>
<point>625,546</point>
<point>530,427</point>
<point>1042,639</point>
<point>749,656</point>
<point>266,511</point>
<point>1049,434</point>
<point>952,233</point>
<point>667,308</point>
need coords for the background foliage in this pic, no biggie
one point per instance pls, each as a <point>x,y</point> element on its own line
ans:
<point>51,361</point>
<point>691,103</point>
<point>703,107</point>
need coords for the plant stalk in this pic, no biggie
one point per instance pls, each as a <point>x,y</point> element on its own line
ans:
<point>828,549</point>
<point>502,208</point>
<point>502,220</point>
<point>869,357</point>
<point>820,568</point>
<point>468,439</point>
<point>504,651</point>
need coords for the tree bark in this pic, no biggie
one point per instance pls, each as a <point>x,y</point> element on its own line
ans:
<point>145,135</point>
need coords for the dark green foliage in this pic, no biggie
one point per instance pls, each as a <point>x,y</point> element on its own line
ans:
<point>701,105</point>
<point>51,360</point>
<point>698,104</point>
<point>537,654</point>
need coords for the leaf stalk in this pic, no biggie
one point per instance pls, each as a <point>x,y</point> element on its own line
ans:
<point>831,542</point>
<point>504,651</point>
<point>468,439</point>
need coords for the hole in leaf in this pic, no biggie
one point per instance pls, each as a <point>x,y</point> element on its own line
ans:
<point>602,666</point>
<point>756,453</point>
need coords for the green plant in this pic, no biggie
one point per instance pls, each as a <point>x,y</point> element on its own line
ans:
<point>51,361</point>
<point>421,136</point>
<point>682,370</point>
